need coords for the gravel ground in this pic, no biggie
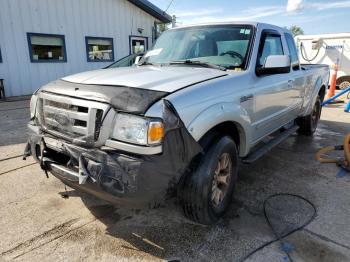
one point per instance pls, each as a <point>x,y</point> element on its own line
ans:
<point>38,224</point>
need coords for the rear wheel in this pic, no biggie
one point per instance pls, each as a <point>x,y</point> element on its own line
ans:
<point>207,192</point>
<point>308,124</point>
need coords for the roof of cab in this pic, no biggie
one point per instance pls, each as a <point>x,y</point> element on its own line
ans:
<point>218,23</point>
<point>255,24</point>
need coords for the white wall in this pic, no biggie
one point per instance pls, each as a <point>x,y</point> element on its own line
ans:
<point>333,47</point>
<point>74,19</point>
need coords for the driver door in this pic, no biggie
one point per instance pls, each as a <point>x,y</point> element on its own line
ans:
<point>272,92</point>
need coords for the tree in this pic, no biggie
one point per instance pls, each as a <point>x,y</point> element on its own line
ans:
<point>159,29</point>
<point>162,28</point>
<point>296,30</point>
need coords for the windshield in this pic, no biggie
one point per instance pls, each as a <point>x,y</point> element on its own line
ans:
<point>222,45</point>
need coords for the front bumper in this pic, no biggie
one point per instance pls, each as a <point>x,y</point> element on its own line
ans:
<point>109,175</point>
<point>117,176</point>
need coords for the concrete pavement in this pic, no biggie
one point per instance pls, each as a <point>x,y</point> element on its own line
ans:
<point>38,224</point>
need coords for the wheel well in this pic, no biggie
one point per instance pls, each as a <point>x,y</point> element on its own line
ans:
<point>322,92</point>
<point>226,128</point>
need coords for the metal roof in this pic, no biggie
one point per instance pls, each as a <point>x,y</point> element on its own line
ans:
<point>153,10</point>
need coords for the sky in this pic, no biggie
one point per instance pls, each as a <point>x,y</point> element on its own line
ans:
<point>313,16</point>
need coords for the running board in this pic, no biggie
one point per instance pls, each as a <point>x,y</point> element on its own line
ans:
<point>252,157</point>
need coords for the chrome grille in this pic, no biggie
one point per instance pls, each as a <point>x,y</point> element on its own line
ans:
<point>71,118</point>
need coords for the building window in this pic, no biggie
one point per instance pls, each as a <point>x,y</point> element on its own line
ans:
<point>46,48</point>
<point>138,44</point>
<point>99,49</point>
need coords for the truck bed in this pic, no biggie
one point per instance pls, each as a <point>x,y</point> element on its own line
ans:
<point>313,66</point>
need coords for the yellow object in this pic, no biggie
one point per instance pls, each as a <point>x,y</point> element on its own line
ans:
<point>155,133</point>
<point>346,147</point>
<point>323,151</point>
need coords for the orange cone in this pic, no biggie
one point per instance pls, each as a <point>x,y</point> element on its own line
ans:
<point>333,85</point>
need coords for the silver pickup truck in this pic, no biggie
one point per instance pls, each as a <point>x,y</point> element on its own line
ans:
<point>205,99</point>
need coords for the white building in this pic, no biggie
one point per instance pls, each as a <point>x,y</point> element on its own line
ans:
<point>329,49</point>
<point>42,40</point>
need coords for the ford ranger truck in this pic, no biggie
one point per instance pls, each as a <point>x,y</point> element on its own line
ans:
<point>204,99</point>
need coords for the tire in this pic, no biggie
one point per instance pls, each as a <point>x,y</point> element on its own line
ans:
<point>199,196</point>
<point>343,82</point>
<point>308,124</point>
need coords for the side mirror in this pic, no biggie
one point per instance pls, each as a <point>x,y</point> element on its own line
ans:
<point>275,64</point>
<point>137,59</point>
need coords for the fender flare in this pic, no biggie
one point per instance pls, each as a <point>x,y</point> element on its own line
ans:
<point>317,87</point>
<point>220,113</point>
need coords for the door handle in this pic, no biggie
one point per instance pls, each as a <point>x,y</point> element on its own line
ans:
<point>246,98</point>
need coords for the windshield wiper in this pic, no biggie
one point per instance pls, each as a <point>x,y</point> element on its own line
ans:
<point>197,63</point>
<point>146,63</point>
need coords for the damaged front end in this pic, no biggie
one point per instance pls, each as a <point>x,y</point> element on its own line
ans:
<point>77,152</point>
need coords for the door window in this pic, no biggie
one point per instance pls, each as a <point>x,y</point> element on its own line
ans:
<point>138,44</point>
<point>293,52</point>
<point>271,45</point>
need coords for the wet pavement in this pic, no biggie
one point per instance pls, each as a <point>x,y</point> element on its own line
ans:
<point>38,223</point>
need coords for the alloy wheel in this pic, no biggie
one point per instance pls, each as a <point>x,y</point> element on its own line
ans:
<point>221,180</point>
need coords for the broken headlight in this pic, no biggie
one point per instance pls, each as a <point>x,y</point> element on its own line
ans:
<point>138,130</point>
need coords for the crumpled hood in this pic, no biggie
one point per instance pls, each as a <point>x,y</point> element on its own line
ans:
<point>131,90</point>
<point>165,79</point>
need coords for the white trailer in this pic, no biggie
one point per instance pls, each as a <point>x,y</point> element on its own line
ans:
<point>329,49</point>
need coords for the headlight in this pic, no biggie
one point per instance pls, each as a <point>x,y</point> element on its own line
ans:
<point>33,101</point>
<point>138,130</point>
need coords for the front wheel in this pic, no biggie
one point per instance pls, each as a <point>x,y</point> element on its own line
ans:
<point>308,124</point>
<point>207,192</point>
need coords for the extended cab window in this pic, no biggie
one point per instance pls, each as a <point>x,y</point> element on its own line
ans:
<point>293,52</point>
<point>271,44</point>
